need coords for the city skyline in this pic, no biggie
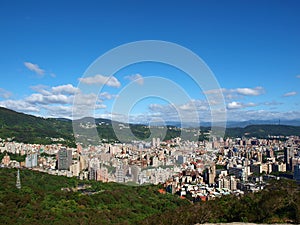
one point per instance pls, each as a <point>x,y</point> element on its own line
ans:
<point>252,49</point>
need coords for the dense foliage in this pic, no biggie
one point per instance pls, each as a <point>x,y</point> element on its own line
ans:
<point>41,201</point>
<point>17,157</point>
<point>263,131</point>
<point>30,129</point>
<point>278,203</point>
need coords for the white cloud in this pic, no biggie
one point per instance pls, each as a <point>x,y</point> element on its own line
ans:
<point>249,91</point>
<point>188,112</point>
<point>106,95</point>
<point>59,111</point>
<point>66,89</point>
<point>236,92</point>
<point>240,105</point>
<point>215,91</point>
<point>138,78</point>
<point>35,68</point>
<point>58,101</point>
<point>100,79</point>
<point>4,93</point>
<point>298,76</point>
<point>272,103</point>
<point>38,98</point>
<point>288,94</point>
<point>20,106</point>
<point>43,89</point>
<point>234,105</point>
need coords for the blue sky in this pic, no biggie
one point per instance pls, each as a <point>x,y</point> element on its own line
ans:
<point>252,47</point>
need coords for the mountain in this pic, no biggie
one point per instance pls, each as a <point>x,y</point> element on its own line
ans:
<point>263,131</point>
<point>31,129</point>
<point>233,124</point>
<point>262,122</point>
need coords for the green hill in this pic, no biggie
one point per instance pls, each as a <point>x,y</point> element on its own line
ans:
<point>263,131</point>
<point>41,200</point>
<point>30,129</point>
<point>48,199</point>
<point>277,203</point>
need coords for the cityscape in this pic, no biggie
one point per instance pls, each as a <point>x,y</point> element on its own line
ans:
<point>149,112</point>
<point>204,170</point>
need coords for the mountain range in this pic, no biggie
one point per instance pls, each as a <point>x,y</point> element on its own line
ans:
<point>31,129</point>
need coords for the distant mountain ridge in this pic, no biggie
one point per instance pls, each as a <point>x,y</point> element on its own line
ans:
<point>232,124</point>
<point>31,129</point>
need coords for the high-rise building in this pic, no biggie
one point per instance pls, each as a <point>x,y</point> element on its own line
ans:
<point>94,165</point>
<point>155,142</point>
<point>288,155</point>
<point>64,159</point>
<point>210,175</point>
<point>120,176</point>
<point>135,171</point>
<point>102,174</point>
<point>181,159</point>
<point>31,160</point>
<point>297,172</point>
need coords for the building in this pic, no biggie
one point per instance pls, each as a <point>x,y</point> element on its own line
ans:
<point>181,159</point>
<point>120,174</point>
<point>297,173</point>
<point>288,155</point>
<point>6,160</point>
<point>102,174</point>
<point>210,175</point>
<point>155,142</point>
<point>64,160</point>
<point>31,160</point>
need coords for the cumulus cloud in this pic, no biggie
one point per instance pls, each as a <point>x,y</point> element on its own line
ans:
<point>288,94</point>
<point>215,91</point>
<point>240,105</point>
<point>100,79</point>
<point>188,112</point>
<point>35,68</point>
<point>4,93</point>
<point>236,92</point>
<point>59,111</point>
<point>66,89</point>
<point>43,89</point>
<point>20,106</point>
<point>249,91</point>
<point>49,99</point>
<point>106,95</point>
<point>234,105</point>
<point>58,101</point>
<point>138,78</point>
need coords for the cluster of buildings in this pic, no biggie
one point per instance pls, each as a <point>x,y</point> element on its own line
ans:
<point>197,170</point>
